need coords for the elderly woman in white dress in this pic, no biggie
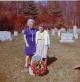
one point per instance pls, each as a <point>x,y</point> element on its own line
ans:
<point>42,43</point>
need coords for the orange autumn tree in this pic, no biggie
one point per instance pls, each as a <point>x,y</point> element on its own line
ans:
<point>59,23</point>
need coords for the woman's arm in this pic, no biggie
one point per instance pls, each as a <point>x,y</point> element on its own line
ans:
<point>25,40</point>
<point>36,37</point>
<point>48,38</point>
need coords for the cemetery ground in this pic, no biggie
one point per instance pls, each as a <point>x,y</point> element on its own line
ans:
<point>62,58</point>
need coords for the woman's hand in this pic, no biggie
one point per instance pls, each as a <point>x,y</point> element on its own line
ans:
<point>34,52</point>
<point>48,46</point>
<point>27,45</point>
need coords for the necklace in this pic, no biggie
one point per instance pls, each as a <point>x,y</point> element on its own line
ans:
<point>31,33</point>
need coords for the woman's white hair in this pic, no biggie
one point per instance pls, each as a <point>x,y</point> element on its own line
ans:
<point>30,21</point>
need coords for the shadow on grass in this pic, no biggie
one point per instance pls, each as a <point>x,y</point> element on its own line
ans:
<point>77,67</point>
<point>45,73</point>
<point>51,60</point>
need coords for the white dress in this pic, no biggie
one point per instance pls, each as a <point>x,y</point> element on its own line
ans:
<point>42,42</point>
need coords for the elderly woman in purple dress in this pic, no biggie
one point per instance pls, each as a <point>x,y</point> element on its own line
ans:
<point>29,38</point>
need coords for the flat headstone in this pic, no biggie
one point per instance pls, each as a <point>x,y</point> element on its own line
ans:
<point>59,33</point>
<point>5,35</point>
<point>62,29</point>
<point>67,38</point>
<point>15,33</point>
<point>54,32</point>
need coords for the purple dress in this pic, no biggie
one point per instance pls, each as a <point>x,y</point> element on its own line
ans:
<point>30,37</point>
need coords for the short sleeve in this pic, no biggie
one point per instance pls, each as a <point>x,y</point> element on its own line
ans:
<point>25,31</point>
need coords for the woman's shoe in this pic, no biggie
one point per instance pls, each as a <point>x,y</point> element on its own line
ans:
<point>31,71</point>
<point>26,65</point>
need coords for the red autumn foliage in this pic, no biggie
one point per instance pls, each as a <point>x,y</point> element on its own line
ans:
<point>18,21</point>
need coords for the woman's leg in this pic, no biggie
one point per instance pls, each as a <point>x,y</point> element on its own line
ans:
<point>45,57</point>
<point>27,61</point>
<point>30,60</point>
<point>30,70</point>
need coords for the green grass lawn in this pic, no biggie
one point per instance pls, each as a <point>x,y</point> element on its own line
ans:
<point>62,58</point>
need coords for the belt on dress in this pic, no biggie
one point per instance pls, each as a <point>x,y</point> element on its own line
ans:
<point>40,39</point>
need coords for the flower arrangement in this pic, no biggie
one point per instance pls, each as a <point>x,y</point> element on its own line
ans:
<point>38,66</point>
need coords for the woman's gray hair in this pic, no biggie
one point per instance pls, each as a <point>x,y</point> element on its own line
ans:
<point>29,21</point>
